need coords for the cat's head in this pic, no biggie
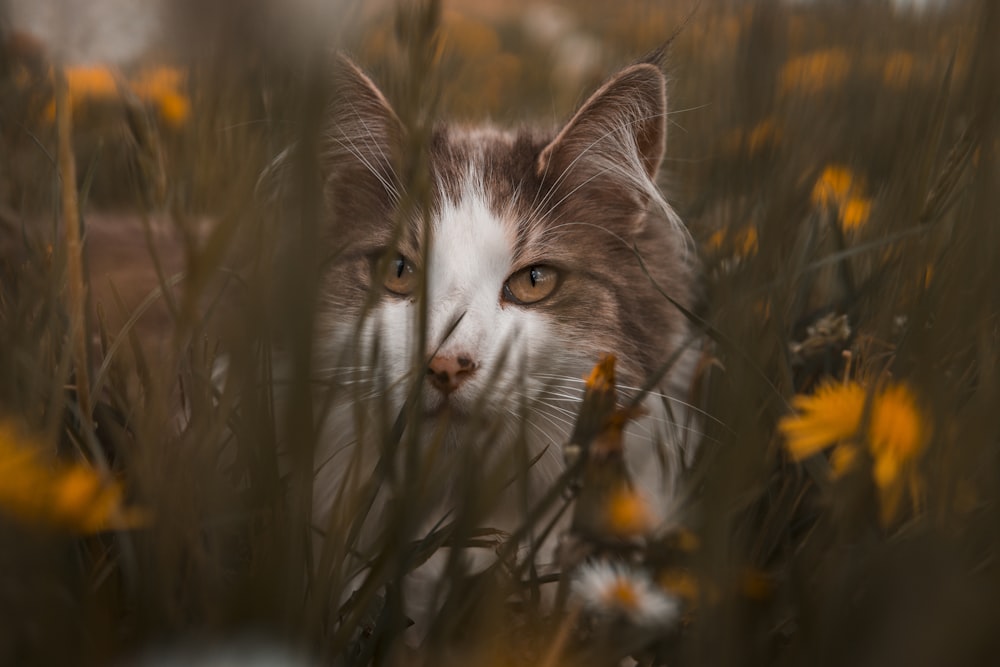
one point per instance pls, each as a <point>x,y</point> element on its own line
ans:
<point>528,249</point>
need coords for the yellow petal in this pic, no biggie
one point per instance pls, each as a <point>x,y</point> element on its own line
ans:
<point>830,415</point>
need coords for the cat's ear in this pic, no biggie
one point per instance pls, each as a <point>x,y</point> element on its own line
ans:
<point>622,126</point>
<point>362,139</point>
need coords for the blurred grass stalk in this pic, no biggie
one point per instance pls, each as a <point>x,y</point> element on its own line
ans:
<point>76,289</point>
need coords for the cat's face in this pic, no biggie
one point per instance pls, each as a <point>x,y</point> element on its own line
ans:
<point>527,252</point>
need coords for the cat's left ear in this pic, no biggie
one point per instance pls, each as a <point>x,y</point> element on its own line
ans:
<point>622,126</point>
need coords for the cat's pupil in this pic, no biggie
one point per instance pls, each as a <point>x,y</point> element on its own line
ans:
<point>534,276</point>
<point>400,266</point>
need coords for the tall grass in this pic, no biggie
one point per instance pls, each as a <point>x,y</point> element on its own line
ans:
<point>836,164</point>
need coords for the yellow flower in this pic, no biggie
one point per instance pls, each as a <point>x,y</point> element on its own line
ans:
<point>838,188</point>
<point>161,87</point>
<point>843,458</point>
<point>854,213</point>
<point>742,241</point>
<point>896,435</point>
<point>629,514</point>
<point>830,415</point>
<point>174,109</point>
<point>602,375</point>
<point>74,498</point>
<point>86,82</point>
<point>833,186</point>
<point>896,438</point>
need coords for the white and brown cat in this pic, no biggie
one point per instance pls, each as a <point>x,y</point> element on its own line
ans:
<point>527,253</point>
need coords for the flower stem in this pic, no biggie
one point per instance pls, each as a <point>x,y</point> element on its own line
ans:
<point>76,291</point>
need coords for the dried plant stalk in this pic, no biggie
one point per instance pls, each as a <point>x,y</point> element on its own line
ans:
<point>76,288</point>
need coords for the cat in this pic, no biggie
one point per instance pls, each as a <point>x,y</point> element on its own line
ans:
<point>528,255</point>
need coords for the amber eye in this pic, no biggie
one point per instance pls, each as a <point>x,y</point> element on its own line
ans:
<point>400,276</point>
<point>530,285</point>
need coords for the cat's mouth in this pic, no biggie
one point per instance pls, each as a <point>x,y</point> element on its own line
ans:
<point>447,408</point>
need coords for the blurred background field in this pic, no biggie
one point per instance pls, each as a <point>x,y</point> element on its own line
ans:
<point>837,165</point>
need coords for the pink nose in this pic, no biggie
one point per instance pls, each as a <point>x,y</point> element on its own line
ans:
<point>447,373</point>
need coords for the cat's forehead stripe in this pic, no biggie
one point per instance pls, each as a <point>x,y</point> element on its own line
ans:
<point>494,165</point>
<point>469,216</point>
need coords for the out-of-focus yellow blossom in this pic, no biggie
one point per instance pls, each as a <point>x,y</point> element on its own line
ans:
<point>837,187</point>
<point>833,186</point>
<point>843,458</point>
<point>854,213</point>
<point>162,87</point>
<point>896,435</point>
<point>829,416</point>
<point>629,514</point>
<point>743,241</point>
<point>815,72</point>
<point>73,498</point>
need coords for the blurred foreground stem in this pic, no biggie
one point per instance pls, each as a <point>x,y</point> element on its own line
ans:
<point>76,294</point>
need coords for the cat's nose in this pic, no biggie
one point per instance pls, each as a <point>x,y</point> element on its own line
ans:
<point>447,372</point>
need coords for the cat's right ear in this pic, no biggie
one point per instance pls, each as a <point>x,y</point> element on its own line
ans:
<point>362,140</point>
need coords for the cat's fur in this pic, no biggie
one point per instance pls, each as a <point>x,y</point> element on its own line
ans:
<point>582,199</point>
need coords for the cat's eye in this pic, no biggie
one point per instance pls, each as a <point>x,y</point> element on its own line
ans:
<point>400,276</point>
<point>530,285</point>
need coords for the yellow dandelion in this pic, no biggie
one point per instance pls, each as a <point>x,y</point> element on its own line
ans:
<point>833,186</point>
<point>174,109</point>
<point>164,87</point>
<point>161,87</point>
<point>629,513</point>
<point>831,414</point>
<point>854,213</point>
<point>75,498</point>
<point>155,82</point>
<point>602,375</point>
<point>92,81</point>
<point>840,189</point>
<point>843,459</point>
<point>743,242</point>
<point>895,437</point>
